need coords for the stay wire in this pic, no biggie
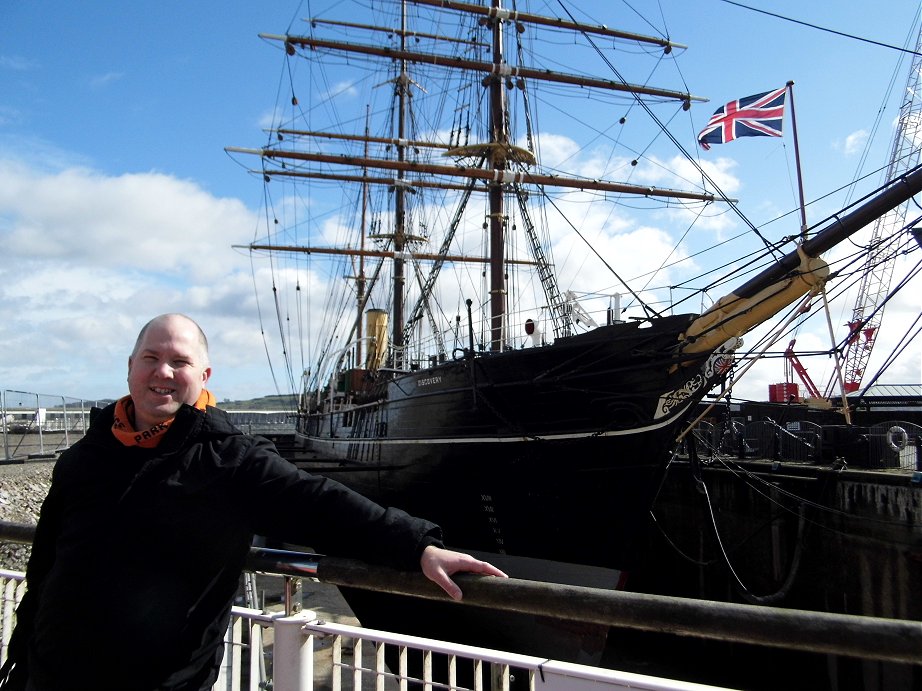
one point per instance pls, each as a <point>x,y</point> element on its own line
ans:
<point>821,28</point>
<point>671,136</point>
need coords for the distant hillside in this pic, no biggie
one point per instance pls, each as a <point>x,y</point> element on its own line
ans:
<point>284,402</point>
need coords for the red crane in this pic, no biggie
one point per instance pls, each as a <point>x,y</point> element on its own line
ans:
<point>792,362</point>
<point>864,325</point>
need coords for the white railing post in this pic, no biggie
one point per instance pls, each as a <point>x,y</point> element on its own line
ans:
<point>293,653</point>
<point>229,673</point>
<point>13,588</point>
<point>6,437</point>
<point>257,658</point>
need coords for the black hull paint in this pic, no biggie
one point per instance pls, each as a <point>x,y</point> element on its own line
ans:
<point>551,453</point>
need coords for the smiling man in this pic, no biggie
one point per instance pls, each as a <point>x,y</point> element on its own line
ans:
<point>156,507</point>
<point>168,367</point>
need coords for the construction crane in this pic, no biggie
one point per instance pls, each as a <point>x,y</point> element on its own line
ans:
<point>793,364</point>
<point>864,325</point>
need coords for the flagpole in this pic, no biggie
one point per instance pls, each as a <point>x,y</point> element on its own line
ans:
<point>800,180</point>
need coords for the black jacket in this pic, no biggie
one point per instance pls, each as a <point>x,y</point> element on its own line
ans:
<point>138,552</point>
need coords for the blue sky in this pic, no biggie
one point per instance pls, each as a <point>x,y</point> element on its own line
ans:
<point>118,202</point>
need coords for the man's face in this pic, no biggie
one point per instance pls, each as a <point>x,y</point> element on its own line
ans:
<point>168,369</point>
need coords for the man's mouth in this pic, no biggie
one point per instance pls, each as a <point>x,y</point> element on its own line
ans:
<point>162,392</point>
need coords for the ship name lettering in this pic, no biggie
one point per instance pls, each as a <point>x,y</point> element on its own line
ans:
<point>428,381</point>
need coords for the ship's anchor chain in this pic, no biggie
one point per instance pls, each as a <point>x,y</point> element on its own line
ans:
<point>725,419</point>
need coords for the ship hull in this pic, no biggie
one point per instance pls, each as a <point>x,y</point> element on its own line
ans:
<point>553,455</point>
<point>545,461</point>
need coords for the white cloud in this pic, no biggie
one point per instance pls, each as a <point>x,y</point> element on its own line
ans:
<point>147,222</point>
<point>101,81</point>
<point>89,258</point>
<point>343,88</point>
<point>854,143</point>
<point>16,63</point>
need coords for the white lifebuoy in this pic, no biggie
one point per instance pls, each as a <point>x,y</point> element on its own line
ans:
<point>897,438</point>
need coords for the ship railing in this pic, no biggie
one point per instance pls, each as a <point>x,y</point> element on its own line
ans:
<point>265,422</point>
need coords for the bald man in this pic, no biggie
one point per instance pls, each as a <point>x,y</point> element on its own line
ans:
<point>156,507</point>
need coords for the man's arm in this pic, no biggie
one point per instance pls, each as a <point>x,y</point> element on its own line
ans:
<point>297,507</point>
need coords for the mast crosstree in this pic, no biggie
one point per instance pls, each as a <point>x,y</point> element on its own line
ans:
<point>497,168</point>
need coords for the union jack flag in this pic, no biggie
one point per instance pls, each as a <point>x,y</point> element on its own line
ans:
<point>752,116</point>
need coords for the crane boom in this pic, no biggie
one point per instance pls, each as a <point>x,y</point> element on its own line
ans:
<point>865,322</point>
<point>792,362</point>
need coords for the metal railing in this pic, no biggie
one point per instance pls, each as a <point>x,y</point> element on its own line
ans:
<point>13,587</point>
<point>894,444</point>
<point>359,658</point>
<point>874,638</point>
<point>35,425</point>
<point>264,421</point>
<point>360,661</point>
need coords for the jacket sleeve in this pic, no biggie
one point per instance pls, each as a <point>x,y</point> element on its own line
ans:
<point>294,506</point>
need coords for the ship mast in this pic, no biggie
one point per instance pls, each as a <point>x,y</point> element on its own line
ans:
<point>499,138</point>
<point>360,275</point>
<point>400,213</point>
<point>502,167</point>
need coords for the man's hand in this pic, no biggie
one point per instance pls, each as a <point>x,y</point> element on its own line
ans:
<point>440,564</point>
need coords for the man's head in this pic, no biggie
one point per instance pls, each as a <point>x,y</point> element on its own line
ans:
<point>168,367</point>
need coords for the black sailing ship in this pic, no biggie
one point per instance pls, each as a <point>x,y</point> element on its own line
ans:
<point>543,450</point>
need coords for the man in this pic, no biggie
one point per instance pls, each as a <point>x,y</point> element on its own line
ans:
<point>144,532</point>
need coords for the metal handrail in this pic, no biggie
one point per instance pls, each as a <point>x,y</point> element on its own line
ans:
<point>877,638</point>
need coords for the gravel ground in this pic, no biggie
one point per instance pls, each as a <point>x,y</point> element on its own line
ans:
<point>22,490</point>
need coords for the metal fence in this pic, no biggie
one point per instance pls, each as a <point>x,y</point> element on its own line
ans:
<point>896,444</point>
<point>266,422</point>
<point>40,425</point>
<point>291,666</point>
<point>35,425</point>
<point>298,652</point>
